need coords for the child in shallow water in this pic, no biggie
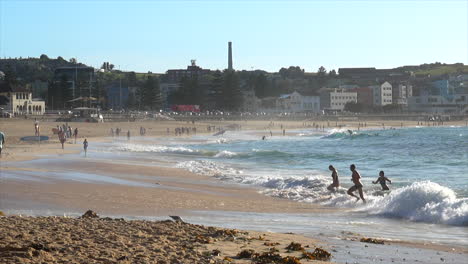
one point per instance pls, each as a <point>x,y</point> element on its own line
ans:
<point>383,181</point>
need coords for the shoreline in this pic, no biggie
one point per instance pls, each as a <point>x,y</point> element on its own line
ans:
<point>171,182</point>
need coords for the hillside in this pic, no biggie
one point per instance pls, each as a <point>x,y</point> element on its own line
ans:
<point>31,69</point>
<point>436,69</point>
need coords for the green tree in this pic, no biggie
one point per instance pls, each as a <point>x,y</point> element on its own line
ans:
<point>260,85</point>
<point>232,96</point>
<point>10,76</point>
<point>353,107</point>
<point>215,92</point>
<point>152,94</point>
<point>322,76</point>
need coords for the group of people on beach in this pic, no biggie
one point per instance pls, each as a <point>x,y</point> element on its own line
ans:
<point>118,130</point>
<point>64,132</point>
<point>185,130</point>
<point>356,179</point>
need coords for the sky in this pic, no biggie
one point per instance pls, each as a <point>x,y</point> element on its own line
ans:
<point>160,35</point>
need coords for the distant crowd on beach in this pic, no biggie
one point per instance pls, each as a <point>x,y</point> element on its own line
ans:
<point>356,179</point>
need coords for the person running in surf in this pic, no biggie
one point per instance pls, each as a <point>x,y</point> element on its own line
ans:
<point>335,184</point>
<point>383,181</point>
<point>356,179</point>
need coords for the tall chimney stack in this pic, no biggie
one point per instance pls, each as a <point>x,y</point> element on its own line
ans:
<point>230,56</point>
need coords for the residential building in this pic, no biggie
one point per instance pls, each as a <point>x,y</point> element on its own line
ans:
<point>438,103</point>
<point>401,93</point>
<point>295,102</point>
<point>442,87</point>
<point>382,94</point>
<point>19,101</point>
<point>336,99</point>
<point>192,71</point>
<point>364,95</point>
<point>81,79</point>
<point>117,96</point>
<point>357,73</point>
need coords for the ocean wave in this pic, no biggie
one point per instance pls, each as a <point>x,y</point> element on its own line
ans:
<point>154,148</point>
<point>348,134</point>
<point>210,168</point>
<point>270,153</point>
<point>421,201</point>
<point>226,154</point>
<point>425,202</point>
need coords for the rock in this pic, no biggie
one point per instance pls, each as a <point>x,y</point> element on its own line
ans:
<point>372,240</point>
<point>90,214</point>
<point>177,218</point>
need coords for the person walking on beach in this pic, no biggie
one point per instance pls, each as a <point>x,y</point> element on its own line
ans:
<point>335,184</point>
<point>85,146</point>
<point>2,142</point>
<point>383,181</point>
<point>356,179</point>
<point>128,135</point>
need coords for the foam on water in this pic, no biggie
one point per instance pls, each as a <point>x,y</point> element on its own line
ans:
<point>153,148</point>
<point>296,168</point>
<point>422,201</point>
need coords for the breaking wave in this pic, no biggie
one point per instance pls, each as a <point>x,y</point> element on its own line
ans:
<point>421,201</point>
<point>348,134</point>
<point>425,202</point>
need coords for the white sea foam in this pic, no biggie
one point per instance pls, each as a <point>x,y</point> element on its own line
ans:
<point>153,148</point>
<point>423,201</point>
<point>225,154</point>
<point>209,168</point>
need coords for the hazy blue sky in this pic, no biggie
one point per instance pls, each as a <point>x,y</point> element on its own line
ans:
<point>160,35</point>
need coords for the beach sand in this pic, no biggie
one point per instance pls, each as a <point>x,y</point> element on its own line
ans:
<point>156,191</point>
<point>107,240</point>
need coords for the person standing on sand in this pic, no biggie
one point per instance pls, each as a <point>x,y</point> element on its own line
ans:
<point>36,128</point>
<point>356,179</point>
<point>128,135</point>
<point>2,142</point>
<point>62,138</point>
<point>85,146</point>
<point>383,181</point>
<point>75,133</point>
<point>335,184</point>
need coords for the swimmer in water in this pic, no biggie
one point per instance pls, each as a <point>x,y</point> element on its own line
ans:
<point>383,181</point>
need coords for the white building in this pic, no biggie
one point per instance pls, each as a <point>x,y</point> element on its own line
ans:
<point>382,94</point>
<point>20,102</point>
<point>295,102</point>
<point>336,99</point>
<point>457,103</point>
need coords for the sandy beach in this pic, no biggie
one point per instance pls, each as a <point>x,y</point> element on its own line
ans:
<point>46,175</point>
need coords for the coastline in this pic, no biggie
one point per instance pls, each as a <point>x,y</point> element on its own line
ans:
<point>157,196</point>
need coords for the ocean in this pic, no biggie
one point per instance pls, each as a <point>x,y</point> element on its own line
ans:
<point>428,166</point>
